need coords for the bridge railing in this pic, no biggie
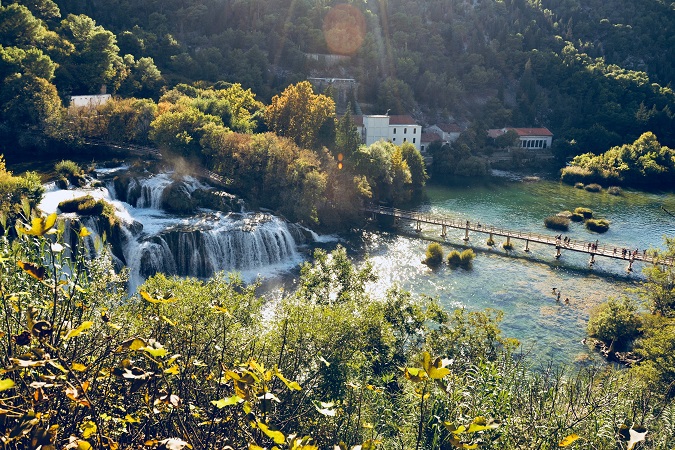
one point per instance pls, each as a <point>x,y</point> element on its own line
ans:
<point>584,246</point>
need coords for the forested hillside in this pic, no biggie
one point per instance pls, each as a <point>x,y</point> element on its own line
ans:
<point>598,74</point>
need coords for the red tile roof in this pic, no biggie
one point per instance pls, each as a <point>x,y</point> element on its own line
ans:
<point>449,127</point>
<point>401,120</point>
<point>393,120</point>
<point>496,132</point>
<point>430,137</point>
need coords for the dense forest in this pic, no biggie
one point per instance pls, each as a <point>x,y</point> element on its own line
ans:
<point>597,74</point>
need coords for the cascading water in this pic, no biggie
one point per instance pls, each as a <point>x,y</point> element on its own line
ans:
<point>150,240</point>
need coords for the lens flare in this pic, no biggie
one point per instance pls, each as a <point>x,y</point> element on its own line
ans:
<point>344,29</point>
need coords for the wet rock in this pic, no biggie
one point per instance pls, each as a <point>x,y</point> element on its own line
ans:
<point>176,199</point>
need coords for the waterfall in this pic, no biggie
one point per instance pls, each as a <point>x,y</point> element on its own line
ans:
<point>150,240</point>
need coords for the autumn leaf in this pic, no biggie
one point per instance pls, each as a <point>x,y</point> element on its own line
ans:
<point>40,225</point>
<point>79,330</point>
<point>569,440</point>
<point>37,272</point>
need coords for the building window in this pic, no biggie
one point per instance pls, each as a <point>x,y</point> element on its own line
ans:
<point>393,140</point>
<point>413,140</point>
<point>414,130</point>
<point>544,144</point>
<point>405,131</point>
<point>394,130</point>
<point>404,139</point>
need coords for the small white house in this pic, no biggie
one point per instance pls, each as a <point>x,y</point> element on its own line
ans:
<point>449,132</point>
<point>89,101</point>
<point>396,129</point>
<point>529,138</point>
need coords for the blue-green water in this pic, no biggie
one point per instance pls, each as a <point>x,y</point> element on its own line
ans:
<point>520,284</point>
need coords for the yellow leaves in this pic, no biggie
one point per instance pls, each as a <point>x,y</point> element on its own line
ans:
<point>435,370</point>
<point>173,370</point>
<point>88,429</point>
<point>460,434</point>
<point>414,374</point>
<point>147,297</point>
<point>229,401</point>
<point>292,385</point>
<point>131,419</point>
<point>569,440</point>
<point>156,350</point>
<point>277,436</point>
<point>6,384</point>
<point>39,225</point>
<point>37,272</point>
<point>131,344</point>
<point>84,326</point>
<point>84,232</point>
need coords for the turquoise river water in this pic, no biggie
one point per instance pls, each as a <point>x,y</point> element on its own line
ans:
<point>518,283</point>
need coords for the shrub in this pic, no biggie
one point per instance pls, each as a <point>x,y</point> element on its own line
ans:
<point>576,217</point>
<point>579,185</point>
<point>454,258</point>
<point>614,321</point>
<point>557,223</point>
<point>89,206</point>
<point>466,258</point>
<point>593,187</point>
<point>68,169</point>
<point>434,255</point>
<point>614,190</point>
<point>586,212</point>
<point>597,225</point>
<point>565,213</point>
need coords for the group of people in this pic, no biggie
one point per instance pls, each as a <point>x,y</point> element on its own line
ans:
<point>633,254</point>
<point>564,240</point>
<point>557,293</point>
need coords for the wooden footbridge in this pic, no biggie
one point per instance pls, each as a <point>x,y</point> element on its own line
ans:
<point>590,248</point>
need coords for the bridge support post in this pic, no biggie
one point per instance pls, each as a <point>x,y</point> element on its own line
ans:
<point>592,261</point>
<point>527,245</point>
<point>630,265</point>
<point>419,226</point>
<point>557,251</point>
<point>443,231</point>
<point>466,231</point>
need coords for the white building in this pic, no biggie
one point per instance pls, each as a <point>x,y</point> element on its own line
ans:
<point>89,101</point>
<point>530,138</point>
<point>395,129</point>
<point>449,132</point>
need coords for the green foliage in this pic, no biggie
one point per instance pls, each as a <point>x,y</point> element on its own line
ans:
<point>587,213</point>
<point>615,322</point>
<point>434,255</point>
<point>658,290</point>
<point>557,222</point>
<point>299,114</point>
<point>454,258</point>
<point>597,225</point>
<point>15,193</point>
<point>644,162</point>
<point>593,187</point>
<point>466,258</point>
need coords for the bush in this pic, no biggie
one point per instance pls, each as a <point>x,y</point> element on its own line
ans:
<point>454,258</point>
<point>579,185</point>
<point>614,190</point>
<point>614,321</point>
<point>557,223</point>
<point>576,217</point>
<point>597,225</point>
<point>565,213</point>
<point>585,212</point>
<point>86,206</point>
<point>466,258</point>
<point>68,169</point>
<point>434,255</point>
<point>593,187</point>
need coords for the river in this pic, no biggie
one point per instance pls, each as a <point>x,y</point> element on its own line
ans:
<point>518,283</point>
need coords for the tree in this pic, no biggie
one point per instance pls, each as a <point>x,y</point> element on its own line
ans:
<point>347,139</point>
<point>418,171</point>
<point>299,114</point>
<point>615,322</point>
<point>95,61</point>
<point>658,290</point>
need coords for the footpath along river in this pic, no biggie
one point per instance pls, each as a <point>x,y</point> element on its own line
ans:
<point>520,284</point>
